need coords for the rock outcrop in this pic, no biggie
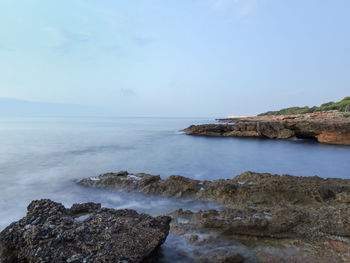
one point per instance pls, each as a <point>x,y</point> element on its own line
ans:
<point>304,222</point>
<point>267,234</point>
<point>51,233</point>
<point>264,218</point>
<point>246,188</point>
<point>326,127</point>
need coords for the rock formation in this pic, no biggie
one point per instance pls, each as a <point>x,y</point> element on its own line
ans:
<point>326,127</point>
<point>51,233</point>
<point>246,188</point>
<point>266,234</point>
<point>282,218</point>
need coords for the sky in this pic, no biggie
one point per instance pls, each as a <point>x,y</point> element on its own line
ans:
<point>176,58</point>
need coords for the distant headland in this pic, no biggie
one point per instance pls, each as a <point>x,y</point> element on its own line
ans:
<point>328,123</point>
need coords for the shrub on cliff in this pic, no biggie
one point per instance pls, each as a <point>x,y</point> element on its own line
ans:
<point>343,105</point>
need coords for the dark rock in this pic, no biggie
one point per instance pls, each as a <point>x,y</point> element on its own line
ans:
<point>80,209</point>
<point>49,233</point>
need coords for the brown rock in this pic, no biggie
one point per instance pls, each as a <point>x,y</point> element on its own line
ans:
<point>280,218</point>
<point>246,188</point>
<point>326,127</point>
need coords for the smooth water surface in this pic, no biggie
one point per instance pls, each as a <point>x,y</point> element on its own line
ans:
<point>41,157</point>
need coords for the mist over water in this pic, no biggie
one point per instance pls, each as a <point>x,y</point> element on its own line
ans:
<point>41,158</point>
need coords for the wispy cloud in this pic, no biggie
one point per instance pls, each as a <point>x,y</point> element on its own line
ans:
<point>64,41</point>
<point>127,92</point>
<point>142,41</point>
<point>5,48</point>
<point>248,8</point>
<point>239,8</point>
<point>222,4</point>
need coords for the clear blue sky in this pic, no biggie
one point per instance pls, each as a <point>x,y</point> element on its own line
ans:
<point>176,58</point>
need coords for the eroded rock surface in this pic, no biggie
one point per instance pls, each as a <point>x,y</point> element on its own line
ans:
<point>51,233</point>
<point>326,127</point>
<point>261,235</point>
<point>309,223</point>
<point>246,188</point>
<point>264,218</point>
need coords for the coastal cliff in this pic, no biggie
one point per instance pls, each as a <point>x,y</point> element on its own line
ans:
<point>332,127</point>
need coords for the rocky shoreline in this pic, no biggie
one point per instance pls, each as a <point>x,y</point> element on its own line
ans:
<point>264,217</point>
<point>261,217</point>
<point>332,127</point>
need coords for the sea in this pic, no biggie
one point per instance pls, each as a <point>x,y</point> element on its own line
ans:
<point>42,157</point>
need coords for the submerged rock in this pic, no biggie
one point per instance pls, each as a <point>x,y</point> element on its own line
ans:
<point>51,233</point>
<point>325,127</point>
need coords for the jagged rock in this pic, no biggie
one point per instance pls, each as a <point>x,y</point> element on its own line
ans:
<point>343,197</point>
<point>303,232</point>
<point>280,233</point>
<point>298,214</point>
<point>81,209</point>
<point>326,127</point>
<point>51,233</point>
<point>246,188</point>
<point>273,222</point>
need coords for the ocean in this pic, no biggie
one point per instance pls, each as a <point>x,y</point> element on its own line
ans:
<point>41,158</point>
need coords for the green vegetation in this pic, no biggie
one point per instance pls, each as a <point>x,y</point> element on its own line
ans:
<point>346,115</point>
<point>343,105</point>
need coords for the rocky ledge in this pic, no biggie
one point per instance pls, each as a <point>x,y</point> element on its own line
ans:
<point>84,233</point>
<point>331,127</point>
<point>246,188</point>
<point>264,217</point>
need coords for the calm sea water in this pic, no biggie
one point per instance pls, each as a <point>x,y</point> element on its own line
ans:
<point>41,157</point>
